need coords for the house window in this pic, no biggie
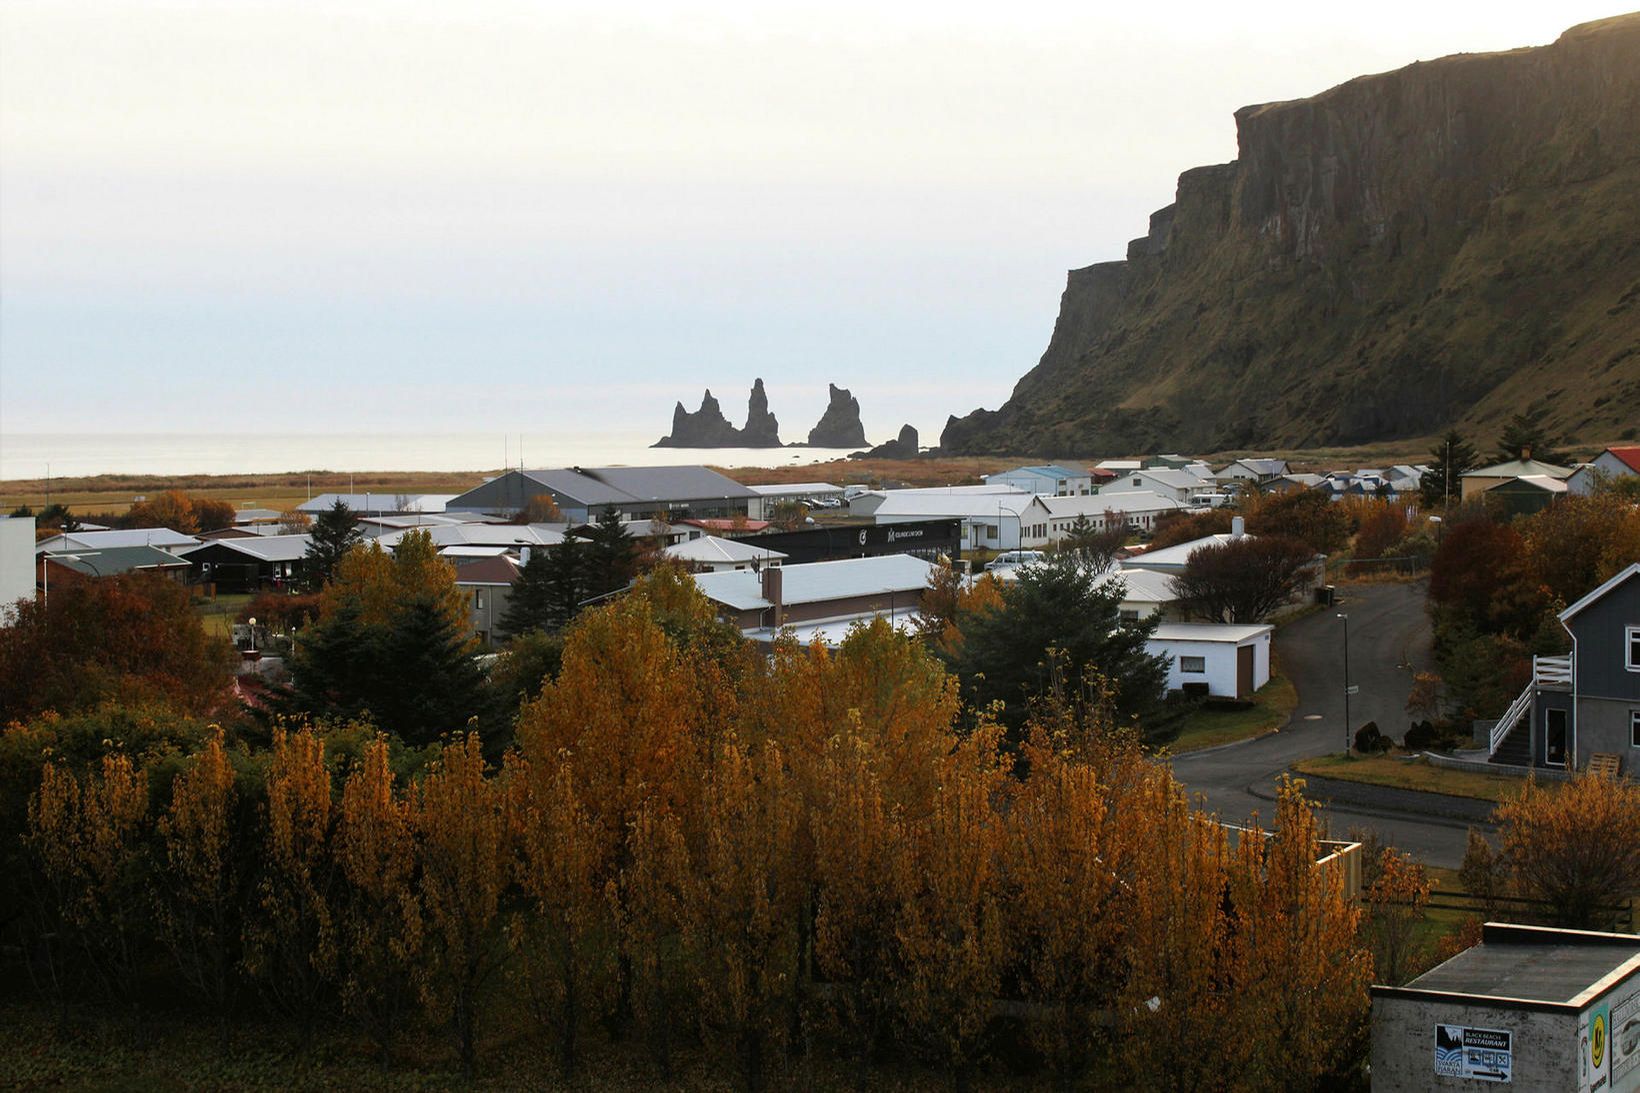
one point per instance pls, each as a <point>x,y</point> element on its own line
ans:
<point>478,598</point>
<point>1127,615</point>
<point>1634,728</point>
<point>1197,665</point>
<point>1633,663</point>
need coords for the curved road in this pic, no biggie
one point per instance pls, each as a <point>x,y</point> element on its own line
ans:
<point>1389,640</point>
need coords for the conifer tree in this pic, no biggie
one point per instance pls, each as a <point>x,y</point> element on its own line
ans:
<point>1526,437</point>
<point>1449,461</point>
<point>611,554</point>
<point>549,590</point>
<point>335,532</point>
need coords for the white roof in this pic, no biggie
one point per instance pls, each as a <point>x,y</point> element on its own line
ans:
<point>423,520</point>
<point>1167,476</point>
<point>1176,555</point>
<point>817,582</point>
<point>164,538</point>
<point>1143,585</point>
<point>832,632</point>
<point>378,501</point>
<point>1543,481</point>
<point>795,489</point>
<point>1230,632</point>
<point>970,505</point>
<point>1120,464</point>
<point>1123,501</point>
<point>463,550</point>
<point>481,535</point>
<point>265,548</point>
<point>710,548</point>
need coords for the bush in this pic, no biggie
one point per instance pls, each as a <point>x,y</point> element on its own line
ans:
<point>1421,735</point>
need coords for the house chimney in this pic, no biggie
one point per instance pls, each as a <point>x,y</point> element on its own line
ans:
<point>773,590</point>
<point>1238,527</point>
<point>1526,454</point>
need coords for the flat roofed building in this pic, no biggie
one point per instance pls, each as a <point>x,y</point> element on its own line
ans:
<point>1221,660</point>
<point>1137,509</point>
<point>761,603</point>
<point>1535,1007</point>
<point>377,503</point>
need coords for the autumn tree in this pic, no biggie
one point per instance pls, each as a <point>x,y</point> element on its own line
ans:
<point>1578,849</point>
<point>1395,902</point>
<point>380,921</point>
<point>213,515</point>
<point>293,521</point>
<point>199,886</point>
<point>1381,525</point>
<point>335,533</point>
<point>1242,580</point>
<point>460,824</point>
<point>1180,526</point>
<point>1095,547</point>
<point>1571,548</point>
<point>131,637</point>
<point>291,938</point>
<point>788,515</point>
<point>1309,515</point>
<point>172,509</point>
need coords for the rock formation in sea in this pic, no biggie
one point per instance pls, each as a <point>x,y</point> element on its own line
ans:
<point>839,426</point>
<point>903,446</point>
<point>708,428</point>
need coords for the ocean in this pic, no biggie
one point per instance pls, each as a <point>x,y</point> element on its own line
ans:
<point>63,455</point>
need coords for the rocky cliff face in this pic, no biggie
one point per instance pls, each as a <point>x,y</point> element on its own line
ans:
<point>839,426</point>
<point>708,428</point>
<point>903,446</point>
<point>1444,244</point>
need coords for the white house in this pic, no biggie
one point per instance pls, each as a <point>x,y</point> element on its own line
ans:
<point>1252,470</point>
<point>1145,593</point>
<point>1611,463</point>
<point>174,542</point>
<point>994,521</point>
<point>1139,509</point>
<point>1220,660</point>
<point>710,554</point>
<point>1049,479</point>
<point>1179,485</point>
<point>16,563</point>
<point>818,600</point>
<point>1173,559</point>
<point>759,507</point>
<point>865,503</point>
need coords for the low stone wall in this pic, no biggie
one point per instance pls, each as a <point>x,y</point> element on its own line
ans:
<point>1481,766</point>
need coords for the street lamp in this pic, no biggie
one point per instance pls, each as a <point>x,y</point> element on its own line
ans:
<point>1347,688</point>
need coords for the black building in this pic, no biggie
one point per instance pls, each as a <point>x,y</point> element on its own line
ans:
<point>925,539</point>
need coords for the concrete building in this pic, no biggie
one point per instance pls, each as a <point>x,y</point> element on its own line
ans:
<point>1138,510</point>
<point>582,493</point>
<point>990,521</point>
<point>16,563</point>
<point>487,585</point>
<point>927,539</point>
<point>250,565</point>
<point>1530,1008</point>
<point>1218,660</point>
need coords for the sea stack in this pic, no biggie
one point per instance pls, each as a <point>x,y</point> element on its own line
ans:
<point>839,426</point>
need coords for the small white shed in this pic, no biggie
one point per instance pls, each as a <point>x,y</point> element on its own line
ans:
<point>1232,659</point>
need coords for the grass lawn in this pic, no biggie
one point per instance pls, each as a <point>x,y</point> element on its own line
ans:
<point>1272,705</point>
<point>1387,770</point>
<point>219,615</point>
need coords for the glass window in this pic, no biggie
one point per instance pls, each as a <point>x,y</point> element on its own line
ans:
<point>478,598</point>
<point>1634,649</point>
<point>1193,664</point>
<point>1128,615</point>
<point>1634,728</point>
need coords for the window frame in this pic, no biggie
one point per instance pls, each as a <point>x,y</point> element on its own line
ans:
<point>1634,728</point>
<point>1184,665</point>
<point>1631,643</point>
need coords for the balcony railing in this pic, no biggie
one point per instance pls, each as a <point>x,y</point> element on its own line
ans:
<point>1552,671</point>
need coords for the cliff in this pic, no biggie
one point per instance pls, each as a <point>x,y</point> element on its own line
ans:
<point>708,428</point>
<point>839,426</point>
<point>1441,245</point>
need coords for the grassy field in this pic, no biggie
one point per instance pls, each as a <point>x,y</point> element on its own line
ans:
<point>113,493</point>
<point>219,615</point>
<point>1415,774</point>
<point>1272,705</point>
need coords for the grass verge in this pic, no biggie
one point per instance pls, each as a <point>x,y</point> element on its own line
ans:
<point>1272,705</point>
<point>1415,774</point>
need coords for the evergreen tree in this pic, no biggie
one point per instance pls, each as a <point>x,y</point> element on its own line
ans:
<point>428,683</point>
<point>1057,618</point>
<point>1525,434</point>
<point>612,554</point>
<point>549,590</point>
<point>1449,461</point>
<point>335,532</point>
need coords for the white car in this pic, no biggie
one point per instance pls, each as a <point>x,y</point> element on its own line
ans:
<point>1010,559</point>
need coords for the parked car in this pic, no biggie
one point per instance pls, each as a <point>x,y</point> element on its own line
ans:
<point>1009,559</point>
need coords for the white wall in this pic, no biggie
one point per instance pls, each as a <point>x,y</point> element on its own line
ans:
<point>1220,658</point>
<point>16,563</point>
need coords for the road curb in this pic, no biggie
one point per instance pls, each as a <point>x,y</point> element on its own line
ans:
<point>1176,756</point>
<point>1390,801</point>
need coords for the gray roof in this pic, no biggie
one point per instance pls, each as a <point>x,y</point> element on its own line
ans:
<point>623,485</point>
<point>111,560</point>
<point>711,549</point>
<point>164,538</point>
<point>1533,964</point>
<point>377,501</point>
<point>264,548</point>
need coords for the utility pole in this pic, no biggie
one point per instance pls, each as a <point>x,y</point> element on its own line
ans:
<point>1348,740</point>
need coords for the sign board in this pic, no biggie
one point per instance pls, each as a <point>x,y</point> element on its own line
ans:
<point>1484,1054</point>
<point>1623,1037</point>
<point>1353,689</point>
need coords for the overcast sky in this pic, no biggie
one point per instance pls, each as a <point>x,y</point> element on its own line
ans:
<point>491,216</point>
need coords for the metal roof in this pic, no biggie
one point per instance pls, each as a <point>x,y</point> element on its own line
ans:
<point>500,570</point>
<point>795,489</point>
<point>1123,501</point>
<point>378,501</point>
<point>818,582</point>
<point>449,535</point>
<point>971,505</point>
<point>164,538</point>
<point>264,548</point>
<point>592,486</point>
<point>710,548</point>
<point>1600,592</point>
<point>1517,468</point>
<point>1210,631</point>
<point>1179,553</point>
<point>111,560</point>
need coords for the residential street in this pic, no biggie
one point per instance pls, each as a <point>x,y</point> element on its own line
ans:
<point>1388,635</point>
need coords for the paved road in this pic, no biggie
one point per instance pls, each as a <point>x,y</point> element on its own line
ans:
<point>1389,640</point>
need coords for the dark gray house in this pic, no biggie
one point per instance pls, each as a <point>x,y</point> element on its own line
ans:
<point>582,493</point>
<point>1586,703</point>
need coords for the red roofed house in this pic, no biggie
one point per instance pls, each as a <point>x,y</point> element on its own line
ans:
<point>1611,463</point>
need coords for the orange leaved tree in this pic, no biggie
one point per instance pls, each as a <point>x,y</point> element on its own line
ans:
<point>1579,849</point>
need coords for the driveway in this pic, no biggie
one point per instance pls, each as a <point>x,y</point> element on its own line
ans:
<point>1389,640</point>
